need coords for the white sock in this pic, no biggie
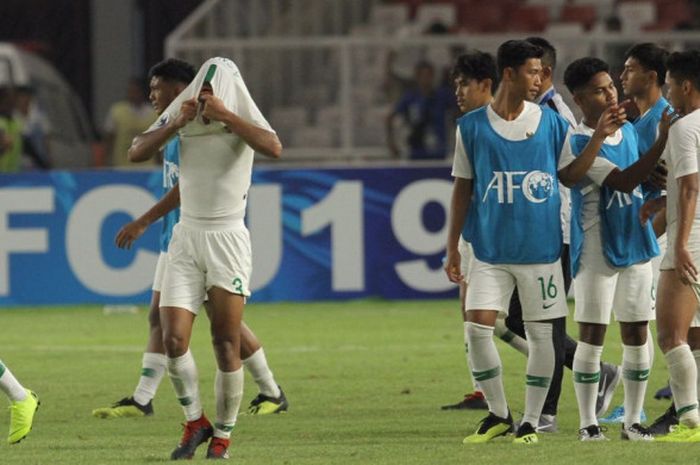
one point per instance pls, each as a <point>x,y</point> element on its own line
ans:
<point>228,389</point>
<point>256,365</point>
<point>540,367</point>
<point>486,367</point>
<point>475,384</point>
<point>152,371</point>
<point>509,337</point>
<point>635,374</point>
<point>696,355</point>
<point>683,372</point>
<point>586,372</point>
<point>183,374</point>
<point>10,386</point>
<point>650,347</point>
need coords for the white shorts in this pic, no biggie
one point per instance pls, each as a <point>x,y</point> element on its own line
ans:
<point>198,260</point>
<point>540,287</point>
<point>602,289</point>
<point>467,255</point>
<point>656,267</point>
<point>160,272</point>
<point>669,260</point>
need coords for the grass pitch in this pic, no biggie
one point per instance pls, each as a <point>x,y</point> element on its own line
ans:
<point>365,381</point>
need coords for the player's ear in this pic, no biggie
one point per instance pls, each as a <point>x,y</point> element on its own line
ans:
<point>547,72</point>
<point>687,87</point>
<point>508,74</point>
<point>577,99</point>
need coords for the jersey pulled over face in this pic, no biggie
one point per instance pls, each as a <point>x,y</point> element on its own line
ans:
<point>215,164</point>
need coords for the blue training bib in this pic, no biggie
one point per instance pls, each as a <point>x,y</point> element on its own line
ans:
<point>171,174</point>
<point>625,241</point>
<point>514,212</point>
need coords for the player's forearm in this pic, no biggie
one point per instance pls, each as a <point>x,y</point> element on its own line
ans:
<point>687,199</point>
<point>169,202</point>
<point>259,139</point>
<point>639,171</point>
<point>459,206</point>
<point>658,224</point>
<point>573,173</point>
<point>147,145</point>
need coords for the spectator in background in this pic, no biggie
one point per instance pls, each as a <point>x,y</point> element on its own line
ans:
<point>423,109</point>
<point>126,120</point>
<point>35,127</point>
<point>10,134</point>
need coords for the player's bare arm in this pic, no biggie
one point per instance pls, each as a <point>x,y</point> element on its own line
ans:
<point>461,197</point>
<point>628,179</point>
<point>687,199</point>
<point>135,229</point>
<point>259,139</point>
<point>610,121</point>
<point>652,207</point>
<point>147,145</point>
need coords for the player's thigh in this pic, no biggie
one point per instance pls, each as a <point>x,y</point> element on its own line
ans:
<point>594,284</point>
<point>633,300</point>
<point>183,284</point>
<point>676,307</point>
<point>229,259</point>
<point>225,315</point>
<point>490,287</point>
<point>541,290</point>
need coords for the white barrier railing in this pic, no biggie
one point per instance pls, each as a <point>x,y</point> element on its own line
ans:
<point>328,96</point>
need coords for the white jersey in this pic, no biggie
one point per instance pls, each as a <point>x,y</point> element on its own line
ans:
<point>681,154</point>
<point>554,100</point>
<point>215,164</point>
<point>590,185</point>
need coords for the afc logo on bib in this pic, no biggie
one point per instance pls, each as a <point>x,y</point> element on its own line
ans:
<point>622,199</point>
<point>536,186</point>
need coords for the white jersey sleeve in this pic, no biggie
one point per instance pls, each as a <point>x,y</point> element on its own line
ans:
<point>597,173</point>
<point>461,167</point>
<point>682,152</point>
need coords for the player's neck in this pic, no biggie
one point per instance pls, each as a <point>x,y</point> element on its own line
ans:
<point>506,105</point>
<point>692,104</point>
<point>648,100</point>
<point>544,88</point>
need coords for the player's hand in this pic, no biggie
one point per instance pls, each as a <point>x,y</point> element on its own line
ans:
<point>657,178</point>
<point>213,108</point>
<point>452,267</point>
<point>685,268</point>
<point>610,121</point>
<point>129,233</point>
<point>651,208</point>
<point>188,112</point>
<point>668,117</point>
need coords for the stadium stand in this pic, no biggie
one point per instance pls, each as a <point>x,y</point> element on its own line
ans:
<point>329,83</point>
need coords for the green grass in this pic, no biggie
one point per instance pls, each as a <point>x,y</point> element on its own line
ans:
<point>365,381</point>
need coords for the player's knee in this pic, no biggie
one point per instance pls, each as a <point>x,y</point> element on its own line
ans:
<point>175,344</point>
<point>668,339</point>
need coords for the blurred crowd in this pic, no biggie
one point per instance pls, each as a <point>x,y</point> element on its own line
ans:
<point>24,130</point>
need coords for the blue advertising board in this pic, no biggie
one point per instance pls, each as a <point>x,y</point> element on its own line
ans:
<point>317,234</point>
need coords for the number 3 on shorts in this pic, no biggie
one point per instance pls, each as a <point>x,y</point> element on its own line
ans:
<point>550,290</point>
<point>237,285</point>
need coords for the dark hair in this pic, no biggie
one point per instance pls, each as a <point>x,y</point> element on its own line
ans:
<point>580,72</point>
<point>514,53</point>
<point>685,66</point>
<point>652,58</point>
<point>173,70</point>
<point>549,58</point>
<point>476,65</point>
